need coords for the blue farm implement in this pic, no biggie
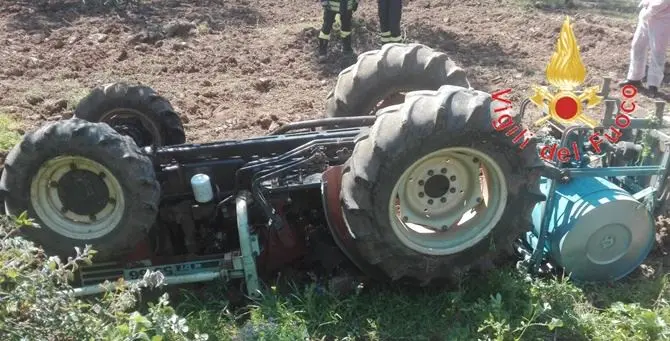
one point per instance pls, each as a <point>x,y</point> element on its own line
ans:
<point>597,222</point>
<point>419,190</point>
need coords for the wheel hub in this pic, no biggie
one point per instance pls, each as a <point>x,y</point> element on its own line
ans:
<point>83,192</point>
<point>135,130</point>
<point>135,124</point>
<point>437,185</point>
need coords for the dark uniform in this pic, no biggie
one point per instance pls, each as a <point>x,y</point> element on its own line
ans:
<point>346,10</point>
<point>389,20</point>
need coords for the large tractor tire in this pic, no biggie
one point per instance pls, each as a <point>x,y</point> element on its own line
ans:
<point>137,111</point>
<point>82,183</point>
<point>416,175</point>
<point>380,78</point>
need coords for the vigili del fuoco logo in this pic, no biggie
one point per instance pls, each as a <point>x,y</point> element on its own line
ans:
<point>565,104</point>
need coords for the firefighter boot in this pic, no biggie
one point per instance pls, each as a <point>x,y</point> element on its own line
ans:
<point>347,50</point>
<point>323,48</point>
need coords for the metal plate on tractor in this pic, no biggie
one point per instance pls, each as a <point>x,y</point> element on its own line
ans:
<point>174,269</point>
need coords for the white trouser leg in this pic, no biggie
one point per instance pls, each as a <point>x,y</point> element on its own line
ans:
<point>638,52</point>
<point>659,37</point>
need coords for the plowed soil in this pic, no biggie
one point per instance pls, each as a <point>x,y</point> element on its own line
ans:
<point>238,68</point>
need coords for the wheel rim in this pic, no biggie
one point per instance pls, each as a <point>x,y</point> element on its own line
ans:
<point>448,201</point>
<point>135,124</point>
<point>77,197</point>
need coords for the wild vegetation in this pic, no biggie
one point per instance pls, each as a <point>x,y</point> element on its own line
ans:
<point>506,305</point>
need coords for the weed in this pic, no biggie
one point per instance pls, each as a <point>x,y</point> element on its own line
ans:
<point>203,28</point>
<point>37,303</point>
<point>502,306</point>
<point>74,96</point>
<point>9,135</point>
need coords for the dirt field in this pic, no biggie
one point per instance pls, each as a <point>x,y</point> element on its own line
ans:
<point>238,68</point>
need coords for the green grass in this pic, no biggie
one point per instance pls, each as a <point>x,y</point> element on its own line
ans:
<point>74,96</point>
<point>503,306</point>
<point>9,136</point>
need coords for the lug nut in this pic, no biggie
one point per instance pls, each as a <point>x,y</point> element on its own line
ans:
<point>421,182</point>
<point>443,199</point>
<point>421,194</point>
<point>452,190</point>
<point>430,172</point>
<point>430,201</point>
<point>452,178</point>
<point>443,170</point>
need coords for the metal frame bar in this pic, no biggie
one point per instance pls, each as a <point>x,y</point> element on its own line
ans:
<point>169,280</point>
<point>248,246</point>
<point>354,121</point>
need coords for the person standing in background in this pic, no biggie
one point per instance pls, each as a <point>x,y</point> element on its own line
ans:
<point>346,9</point>
<point>390,12</point>
<point>652,33</point>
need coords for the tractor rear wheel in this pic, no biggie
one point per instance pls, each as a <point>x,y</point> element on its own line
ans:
<point>381,78</point>
<point>83,183</point>
<point>433,191</point>
<point>137,111</point>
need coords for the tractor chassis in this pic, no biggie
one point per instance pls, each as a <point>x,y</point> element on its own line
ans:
<point>237,169</point>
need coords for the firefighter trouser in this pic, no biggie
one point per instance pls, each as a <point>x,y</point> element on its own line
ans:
<point>389,20</point>
<point>330,10</point>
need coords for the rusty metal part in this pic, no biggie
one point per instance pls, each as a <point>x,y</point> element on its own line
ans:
<point>275,253</point>
<point>331,183</point>
<point>280,246</point>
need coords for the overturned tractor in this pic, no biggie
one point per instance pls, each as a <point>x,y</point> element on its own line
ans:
<point>420,191</point>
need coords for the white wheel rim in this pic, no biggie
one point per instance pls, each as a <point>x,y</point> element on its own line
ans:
<point>445,224</point>
<point>47,203</point>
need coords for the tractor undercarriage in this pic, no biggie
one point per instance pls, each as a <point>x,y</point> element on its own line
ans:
<point>241,233</point>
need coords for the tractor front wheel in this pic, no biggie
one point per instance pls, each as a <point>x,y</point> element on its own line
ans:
<point>433,191</point>
<point>136,111</point>
<point>83,183</point>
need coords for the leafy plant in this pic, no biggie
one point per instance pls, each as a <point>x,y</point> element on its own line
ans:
<point>36,302</point>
